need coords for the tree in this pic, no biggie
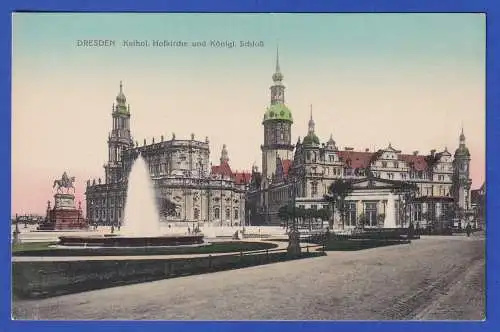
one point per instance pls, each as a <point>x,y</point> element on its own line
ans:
<point>408,191</point>
<point>285,213</point>
<point>167,208</point>
<point>337,193</point>
<point>324,214</point>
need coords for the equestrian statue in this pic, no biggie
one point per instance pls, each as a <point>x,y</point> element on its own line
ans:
<point>65,182</point>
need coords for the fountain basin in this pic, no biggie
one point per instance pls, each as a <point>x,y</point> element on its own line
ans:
<point>118,241</point>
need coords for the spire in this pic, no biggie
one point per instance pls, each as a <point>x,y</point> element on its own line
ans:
<point>278,59</point>
<point>224,158</point>
<point>462,136</point>
<point>277,76</point>
<point>121,100</point>
<point>311,121</point>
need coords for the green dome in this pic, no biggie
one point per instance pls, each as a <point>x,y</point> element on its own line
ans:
<point>462,151</point>
<point>122,109</point>
<point>311,138</point>
<point>278,112</point>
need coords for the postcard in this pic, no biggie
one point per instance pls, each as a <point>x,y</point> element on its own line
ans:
<point>190,166</point>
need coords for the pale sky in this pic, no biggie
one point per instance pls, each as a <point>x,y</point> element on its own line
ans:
<point>408,79</point>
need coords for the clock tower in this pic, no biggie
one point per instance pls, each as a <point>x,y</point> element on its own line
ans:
<point>277,124</point>
<point>119,138</point>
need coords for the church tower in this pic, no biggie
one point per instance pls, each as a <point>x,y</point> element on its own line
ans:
<point>119,138</point>
<point>461,179</point>
<point>277,127</point>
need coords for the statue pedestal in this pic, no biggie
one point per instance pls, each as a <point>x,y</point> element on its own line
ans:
<point>64,201</point>
<point>294,242</point>
<point>64,215</point>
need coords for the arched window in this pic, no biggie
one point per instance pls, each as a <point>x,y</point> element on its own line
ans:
<point>228,213</point>
<point>236,215</point>
<point>196,213</point>
<point>216,213</point>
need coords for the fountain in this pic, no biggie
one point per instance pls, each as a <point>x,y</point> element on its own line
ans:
<point>141,215</point>
<point>141,227</point>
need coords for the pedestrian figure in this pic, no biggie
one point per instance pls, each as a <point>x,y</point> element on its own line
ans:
<point>411,230</point>
<point>189,230</point>
<point>468,229</point>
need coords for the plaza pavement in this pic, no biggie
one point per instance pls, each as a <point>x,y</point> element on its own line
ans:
<point>438,277</point>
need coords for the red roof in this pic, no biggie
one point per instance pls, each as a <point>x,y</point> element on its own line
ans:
<point>225,170</point>
<point>417,162</point>
<point>287,163</point>
<point>222,169</point>
<point>355,159</point>
<point>242,177</point>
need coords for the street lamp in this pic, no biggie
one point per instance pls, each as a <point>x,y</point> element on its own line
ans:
<point>293,234</point>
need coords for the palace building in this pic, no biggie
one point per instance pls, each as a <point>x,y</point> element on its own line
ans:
<point>189,189</point>
<point>441,180</point>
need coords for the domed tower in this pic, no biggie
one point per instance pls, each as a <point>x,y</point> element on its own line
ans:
<point>311,138</point>
<point>461,180</point>
<point>277,126</point>
<point>119,138</point>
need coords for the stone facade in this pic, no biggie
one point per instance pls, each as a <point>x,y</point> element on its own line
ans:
<point>189,189</point>
<point>442,180</point>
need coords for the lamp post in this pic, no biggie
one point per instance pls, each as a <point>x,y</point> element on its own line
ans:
<point>293,235</point>
<point>16,239</point>
<point>200,170</point>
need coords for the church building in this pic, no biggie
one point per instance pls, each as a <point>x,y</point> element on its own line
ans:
<point>189,189</point>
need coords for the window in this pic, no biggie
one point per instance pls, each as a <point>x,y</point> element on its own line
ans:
<point>384,164</point>
<point>350,219</point>
<point>236,214</point>
<point>442,191</point>
<point>396,164</point>
<point>331,157</point>
<point>371,213</point>
<point>228,214</point>
<point>417,212</point>
<point>196,213</point>
<point>216,213</point>
<point>314,189</point>
<point>301,206</point>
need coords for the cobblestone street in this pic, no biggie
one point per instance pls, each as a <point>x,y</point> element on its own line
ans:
<point>431,278</point>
